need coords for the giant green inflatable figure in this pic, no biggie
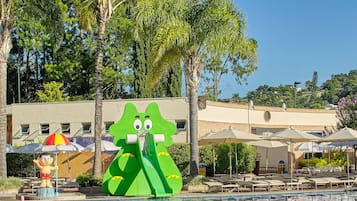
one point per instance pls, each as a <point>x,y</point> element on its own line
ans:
<point>142,167</point>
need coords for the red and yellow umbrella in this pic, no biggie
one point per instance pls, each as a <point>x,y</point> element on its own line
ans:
<point>57,139</point>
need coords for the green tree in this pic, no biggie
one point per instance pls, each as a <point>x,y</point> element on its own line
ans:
<point>187,30</point>
<point>98,11</point>
<point>7,16</point>
<point>51,93</point>
<point>339,86</point>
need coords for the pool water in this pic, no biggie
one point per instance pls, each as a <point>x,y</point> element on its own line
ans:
<point>316,196</point>
<point>342,195</point>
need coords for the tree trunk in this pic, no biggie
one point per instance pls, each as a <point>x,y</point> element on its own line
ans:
<point>97,166</point>
<point>192,74</point>
<point>5,45</point>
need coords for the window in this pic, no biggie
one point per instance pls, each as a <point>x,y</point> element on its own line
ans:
<point>181,125</point>
<point>45,129</point>
<point>107,125</point>
<point>86,127</point>
<point>65,128</point>
<point>25,129</point>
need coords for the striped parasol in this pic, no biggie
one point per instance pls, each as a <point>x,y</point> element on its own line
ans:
<point>56,139</point>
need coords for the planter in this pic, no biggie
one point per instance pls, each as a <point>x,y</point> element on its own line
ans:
<point>9,191</point>
<point>197,188</point>
<point>91,190</point>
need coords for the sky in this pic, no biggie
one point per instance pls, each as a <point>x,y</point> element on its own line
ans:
<point>296,38</point>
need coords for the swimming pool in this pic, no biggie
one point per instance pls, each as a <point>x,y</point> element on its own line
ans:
<point>338,195</point>
<point>343,195</point>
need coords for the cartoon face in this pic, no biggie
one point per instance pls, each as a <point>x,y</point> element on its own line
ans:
<point>46,160</point>
<point>134,122</point>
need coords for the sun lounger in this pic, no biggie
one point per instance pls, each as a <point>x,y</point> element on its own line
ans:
<point>336,181</point>
<point>304,183</point>
<point>214,186</point>
<point>223,184</point>
<point>275,183</point>
<point>259,184</point>
<point>320,182</point>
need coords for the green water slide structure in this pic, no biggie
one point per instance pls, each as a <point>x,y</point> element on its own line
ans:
<point>142,167</point>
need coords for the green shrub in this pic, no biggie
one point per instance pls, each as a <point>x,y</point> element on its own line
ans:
<point>21,165</point>
<point>180,153</point>
<point>10,183</point>
<point>86,180</point>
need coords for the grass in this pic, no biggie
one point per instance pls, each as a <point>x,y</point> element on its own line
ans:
<point>10,183</point>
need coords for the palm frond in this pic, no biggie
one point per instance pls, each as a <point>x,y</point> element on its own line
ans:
<point>174,33</point>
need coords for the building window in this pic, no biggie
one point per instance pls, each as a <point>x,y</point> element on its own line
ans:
<point>86,127</point>
<point>181,125</point>
<point>45,129</point>
<point>65,128</point>
<point>25,129</point>
<point>107,125</point>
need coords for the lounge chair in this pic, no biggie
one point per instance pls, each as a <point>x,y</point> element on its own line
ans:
<point>214,186</point>
<point>320,182</point>
<point>336,181</point>
<point>259,184</point>
<point>275,183</point>
<point>227,184</point>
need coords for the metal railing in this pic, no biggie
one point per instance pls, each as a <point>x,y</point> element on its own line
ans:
<point>32,136</point>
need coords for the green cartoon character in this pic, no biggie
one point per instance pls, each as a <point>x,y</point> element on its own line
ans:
<point>142,166</point>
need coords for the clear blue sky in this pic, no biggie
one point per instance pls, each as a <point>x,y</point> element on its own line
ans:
<point>296,38</point>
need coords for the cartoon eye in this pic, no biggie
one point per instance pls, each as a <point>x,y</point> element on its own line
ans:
<point>137,124</point>
<point>147,124</point>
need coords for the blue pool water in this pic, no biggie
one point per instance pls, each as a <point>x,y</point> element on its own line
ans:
<point>343,195</point>
<point>314,196</point>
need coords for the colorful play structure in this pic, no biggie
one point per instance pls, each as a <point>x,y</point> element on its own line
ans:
<point>142,167</point>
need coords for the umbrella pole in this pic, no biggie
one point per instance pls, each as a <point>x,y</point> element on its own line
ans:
<point>236,160</point>
<point>291,163</point>
<point>214,162</point>
<point>230,160</point>
<point>266,160</point>
<point>56,164</point>
<point>348,168</point>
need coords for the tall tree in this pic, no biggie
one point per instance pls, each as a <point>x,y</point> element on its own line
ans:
<point>187,30</point>
<point>37,9</point>
<point>98,11</point>
<point>5,47</point>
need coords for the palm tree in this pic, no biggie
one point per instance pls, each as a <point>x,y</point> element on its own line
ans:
<point>5,47</point>
<point>189,29</point>
<point>98,11</point>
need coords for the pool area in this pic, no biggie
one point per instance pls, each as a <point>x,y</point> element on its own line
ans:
<point>321,195</point>
<point>342,195</point>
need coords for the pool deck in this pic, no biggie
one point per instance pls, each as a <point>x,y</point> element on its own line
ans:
<point>184,195</point>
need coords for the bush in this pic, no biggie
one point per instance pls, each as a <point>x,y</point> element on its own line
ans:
<point>180,153</point>
<point>21,165</point>
<point>10,183</point>
<point>86,180</point>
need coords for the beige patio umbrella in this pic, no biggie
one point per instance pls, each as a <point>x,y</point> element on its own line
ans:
<point>292,135</point>
<point>228,135</point>
<point>267,144</point>
<point>343,135</point>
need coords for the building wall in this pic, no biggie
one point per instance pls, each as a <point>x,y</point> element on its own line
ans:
<point>76,113</point>
<point>218,116</point>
